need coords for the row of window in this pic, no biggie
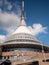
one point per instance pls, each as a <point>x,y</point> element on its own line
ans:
<point>21,49</point>
<point>21,37</point>
<point>18,57</point>
<point>46,60</point>
<point>22,40</point>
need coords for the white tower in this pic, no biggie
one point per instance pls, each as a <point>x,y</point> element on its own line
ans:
<point>22,27</point>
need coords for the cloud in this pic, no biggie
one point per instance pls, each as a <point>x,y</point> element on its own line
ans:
<point>9,17</point>
<point>9,7</point>
<point>2,38</point>
<point>7,4</point>
<point>37,29</point>
<point>9,21</point>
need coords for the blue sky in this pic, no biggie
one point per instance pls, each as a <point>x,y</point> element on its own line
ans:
<point>36,12</point>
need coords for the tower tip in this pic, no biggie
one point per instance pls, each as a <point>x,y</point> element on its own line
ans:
<point>23,15</point>
<point>23,3</point>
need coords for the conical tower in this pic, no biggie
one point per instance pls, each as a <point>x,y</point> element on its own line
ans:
<point>22,32</point>
<point>22,27</point>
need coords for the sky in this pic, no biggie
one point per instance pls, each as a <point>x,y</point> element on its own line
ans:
<point>36,15</point>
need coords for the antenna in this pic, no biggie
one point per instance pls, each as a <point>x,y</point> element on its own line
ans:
<point>22,15</point>
<point>22,9</point>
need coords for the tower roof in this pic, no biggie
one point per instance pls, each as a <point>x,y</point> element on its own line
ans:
<point>22,29</point>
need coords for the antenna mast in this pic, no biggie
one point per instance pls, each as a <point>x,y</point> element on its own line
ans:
<point>23,15</point>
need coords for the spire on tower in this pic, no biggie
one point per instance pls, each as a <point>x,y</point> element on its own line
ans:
<point>22,9</point>
<point>22,15</point>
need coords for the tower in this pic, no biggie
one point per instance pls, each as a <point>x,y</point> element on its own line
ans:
<point>22,48</point>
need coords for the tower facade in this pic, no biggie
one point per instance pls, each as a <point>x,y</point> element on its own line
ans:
<point>22,48</point>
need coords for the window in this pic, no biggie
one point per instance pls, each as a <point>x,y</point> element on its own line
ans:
<point>46,60</point>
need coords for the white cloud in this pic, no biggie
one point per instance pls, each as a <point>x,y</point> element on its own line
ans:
<point>2,38</point>
<point>37,28</point>
<point>7,4</point>
<point>8,17</point>
<point>9,7</point>
<point>9,21</point>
